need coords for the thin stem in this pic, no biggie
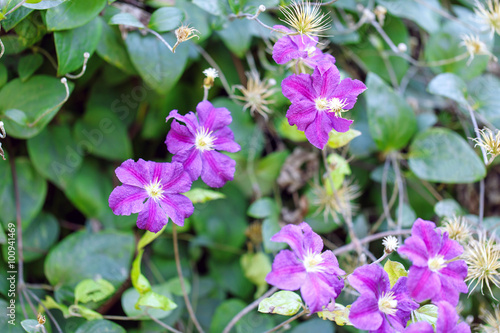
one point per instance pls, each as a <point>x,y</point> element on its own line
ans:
<point>64,81</point>
<point>2,48</point>
<point>385,255</point>
<point>54,321</point>
<point>485,158</point>
<point>385,206</point>
<point>162,324</point>
<point>399,181</point>
<point>86,57</point>
<point>181,279</point>
<point>212,63</point>
<point>287,321</point>
<point>370,238</point>
<point>15,7</point>
<point>248,308</point>
<point>447,15</point>
<point>160,38</point>
<point>47,55</point>
<point>392,200</point>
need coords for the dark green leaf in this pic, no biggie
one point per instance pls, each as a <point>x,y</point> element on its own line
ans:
<point>55,154</point>
<point>83,255</point>
<point>44,4</point>
<point>448,208</point>
<point>126,19</point>
<point>73,14</point>
<point>236,37</point>
<point>263,208</point>
<point>40,98</point>
<point>3,75</point>
<point>15,17</point>
<point>103,134</point>
<point>166,19</point>
<point>31,326</point>
<point>112,49</point>
<point>32,192</point>
<point>425,17</point>
<point>224,313</point>
<point>39,237</point>
<point>102,325</point>
<point>391,120</point>
<point>28,65</point>
<point>483,91</point>
<point>93,290</point>
<point>159,68</point>
<point>214,7</point>
<point>449,85</point>
<point>438,155</point>
<point>72,44</point>
<point>314,325</point>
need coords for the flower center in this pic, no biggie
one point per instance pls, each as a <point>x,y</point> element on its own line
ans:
<point>387,303</point>
<point>310,50</point>
<point>154,190</point>
<point>436,263</point>
<point>204,140</point>
<point>322,104</point>
<point>336,105</point>
<point>311,261</point>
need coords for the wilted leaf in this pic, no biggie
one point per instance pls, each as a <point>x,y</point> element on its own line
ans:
<point>395,270</point>
<point>93,290</point>
<point>286,303</point>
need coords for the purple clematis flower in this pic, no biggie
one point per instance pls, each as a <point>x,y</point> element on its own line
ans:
<point>297,47</point>
<point>197,144</point>
<point>152,190</point>
<point>316,274</point>
<point>318,101</point>
<point>446,322</point>
<point>434,274</point>
<point>380,308</point>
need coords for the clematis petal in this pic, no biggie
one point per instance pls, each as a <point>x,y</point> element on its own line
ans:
<point>330,263</point>
<point>419,327</point>
<point>365,314</point>
<point>192,162</point>
<point>189,120</point>
<point>211,118</point>
<point>133,173</point>
<point>318,131</point>
<point>462,328</point>
<point>425,230</point>
<point>288,272</point>
<point>450,248</point>
<point>325,79</point>
<point>340,125</point>
<point>293,236</point>
<point>285,50</point>
<point>452,282</point>
<point>178,207</point>
<point>370,280</point>
<point>405,303</point>
<point>348,91</point>
<point>126,200</point>
<point>414,248</point>
<point>173,178</point>
<point>312,242</point>
<point>217,168</point>
<point>298,87</point>
<point>301,113</point>
<point>423,283</point>
<point>152,217</point>
<point>224,141</point>
<point>318,290</point>
<point>179,138</point>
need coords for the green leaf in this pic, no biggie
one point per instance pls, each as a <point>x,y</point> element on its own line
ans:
<point>39,98</point>
<point>155,301</point>
<point>338,139</point>
<point>449,85</point>
<point>89,190</point>
<point>314,325</point>
<point>340,169</point>
<point>159,68</point>
<point>483,91</point>
<point>15,17</point>
<point>72,44</point>
<point>427,313</point>
<point>426,18</point>
<point>200,195</point>
<point>50,303</point>
<point>73,14</point>
<point>174,285</point>
<point>83,255</point>
<point>214,7</point>
<point>256,266</point>
<point>395,270</point>
<point>112,49</point>
<point>90,290</point>
<point>103,134</point>
<point>438,155</point>
<point>31,326</point>
<point>147,238</point>
<point>3,75</point>
<point>224,313</point>
<point>286,303</point>
<point>270,227</point>
<point>263,208</point>
<point>448,208</point>
<point>126,19</point>
<point>289,132</point>
<point>158,295</point>
<point>236,37</point>
<point>55,154</point>
<point>28,65</point>
<point>42,233</point>
<point>85,312</point>
<point>32,192</point>
<point>101,325</point>
<point>391,120</point>
<point>44,4</point>
<point>166,19</point>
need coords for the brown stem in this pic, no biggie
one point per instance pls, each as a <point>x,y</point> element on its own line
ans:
<point>181,279</point>
<point>371,238</point>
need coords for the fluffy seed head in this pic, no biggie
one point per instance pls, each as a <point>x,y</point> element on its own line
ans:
<point>489,14</point>
<point>211,74</point>
<point>491,320</point>
<point>305,18</point>
<point>184,33</point>
<point>334,205</point>
<point>390,244</point>
<point>490,142</point>
<point>475,47</point>
<point>457,228</point>
<point>483,261</point>
<point>256,94</point>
